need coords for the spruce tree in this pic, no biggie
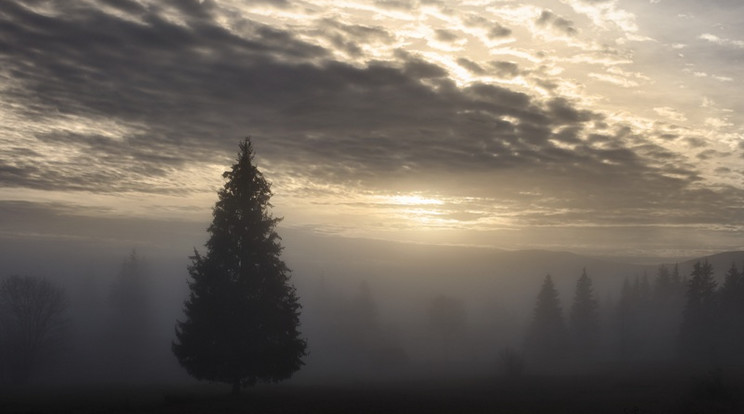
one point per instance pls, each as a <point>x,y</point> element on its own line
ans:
<point>626,320</point>
<point>732,286</point>
<point>546,336</point>
<point>731,313</point>
<point>584,321</point>
<point>663,283</point>
<point>698,334</point>
<point>664,314</point>
<point>130,328</point>
<point>679,284</point>
<point>242,315</point>
<point>360,323</point>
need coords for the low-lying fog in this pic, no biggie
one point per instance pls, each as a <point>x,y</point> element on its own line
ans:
<point>371,309</point>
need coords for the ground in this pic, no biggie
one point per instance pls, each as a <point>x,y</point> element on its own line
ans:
<point>642,391</point>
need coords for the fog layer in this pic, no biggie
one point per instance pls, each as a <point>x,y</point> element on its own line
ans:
<point>371,309</point>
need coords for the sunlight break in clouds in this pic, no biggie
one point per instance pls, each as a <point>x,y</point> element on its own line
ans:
<point>371,116</point>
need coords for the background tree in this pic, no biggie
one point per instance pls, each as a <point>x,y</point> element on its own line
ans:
<point>626,321</point>
<point>664,313</point>
<point>584,320</point>
<point>360,319</point>
<point>663,283</point>
<point>511,363</point>
<point>31,325</point>
<point>679,283</point>
<point>731,291</point>
<point>731,295</point>
<point>698,334</point>
<point>447,317</point>
<point>546,336</point>
<point>130,324</point>
<point>242,314</point>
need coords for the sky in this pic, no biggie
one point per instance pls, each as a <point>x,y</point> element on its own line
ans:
<point>592,126</point>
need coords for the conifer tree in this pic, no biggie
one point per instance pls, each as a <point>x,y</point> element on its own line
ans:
<point>678,282</point>
<point>663,283</point>
<point>361,317</point>
<point>732,286</point>
<point>546,336</point>
<point>698,333</point>
<point>731,313</point>
<point>644,289</point>
<point>242,315</point>
<point>447,319</point>
<point>664,314</point>
<point>584,321</point>
<point>626,320</point>
<point>130,327</point>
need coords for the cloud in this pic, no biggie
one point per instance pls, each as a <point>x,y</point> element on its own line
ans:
<point>471,66</point>
<point>549,19</point>
<point>178,89</point>
<point>493,29</point>
<point>445,35</point>
<point>395,4</point>
<point>670,113</point>
<point>505,69</point>
<point>722,41</point>
<point>498,31</point>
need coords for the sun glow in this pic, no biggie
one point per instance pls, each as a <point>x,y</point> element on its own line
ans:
<point>412,200</point>
<point>416,209</point>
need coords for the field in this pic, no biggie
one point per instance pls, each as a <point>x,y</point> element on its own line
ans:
<point>642,391</point>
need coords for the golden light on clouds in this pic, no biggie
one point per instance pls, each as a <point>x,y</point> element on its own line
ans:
<point>373,116</point>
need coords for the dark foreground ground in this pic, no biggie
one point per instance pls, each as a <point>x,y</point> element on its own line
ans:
<point>653,391</point>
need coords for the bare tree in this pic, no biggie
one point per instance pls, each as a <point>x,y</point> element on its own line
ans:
<point>31,322</point>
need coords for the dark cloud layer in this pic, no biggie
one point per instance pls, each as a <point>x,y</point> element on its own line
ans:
<point>190,92</point>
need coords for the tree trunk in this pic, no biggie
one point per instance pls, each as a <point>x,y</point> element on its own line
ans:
<point>236,388</point>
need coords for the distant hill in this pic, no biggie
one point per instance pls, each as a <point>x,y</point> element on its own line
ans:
<point>721,263</point>
<point>478,273</point>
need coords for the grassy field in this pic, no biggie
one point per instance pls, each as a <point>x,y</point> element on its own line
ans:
<point>654,391</point>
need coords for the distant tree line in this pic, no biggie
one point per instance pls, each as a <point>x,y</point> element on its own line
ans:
<point>689,320</point>
<point>40,328</point>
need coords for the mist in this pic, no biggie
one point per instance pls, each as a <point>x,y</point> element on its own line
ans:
<point>371,310</point>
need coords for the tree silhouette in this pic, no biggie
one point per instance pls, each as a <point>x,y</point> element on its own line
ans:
<point>663,283</point>
<point>447,317</point>
<point>584,320</point>
<point>361,317</point>
<point>698,333</point>
<point>679,284</point>
<point>627,320</point>
<point>546,337</point>
<point>732,313</point>
<point>130,327</point>
<point>731,291</point>
<point>242,314</point>
<point>31,322</point>
<point>663,316</point>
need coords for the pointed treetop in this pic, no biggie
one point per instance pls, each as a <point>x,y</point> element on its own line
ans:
<point>242,314</point>
<point>548,307</point>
